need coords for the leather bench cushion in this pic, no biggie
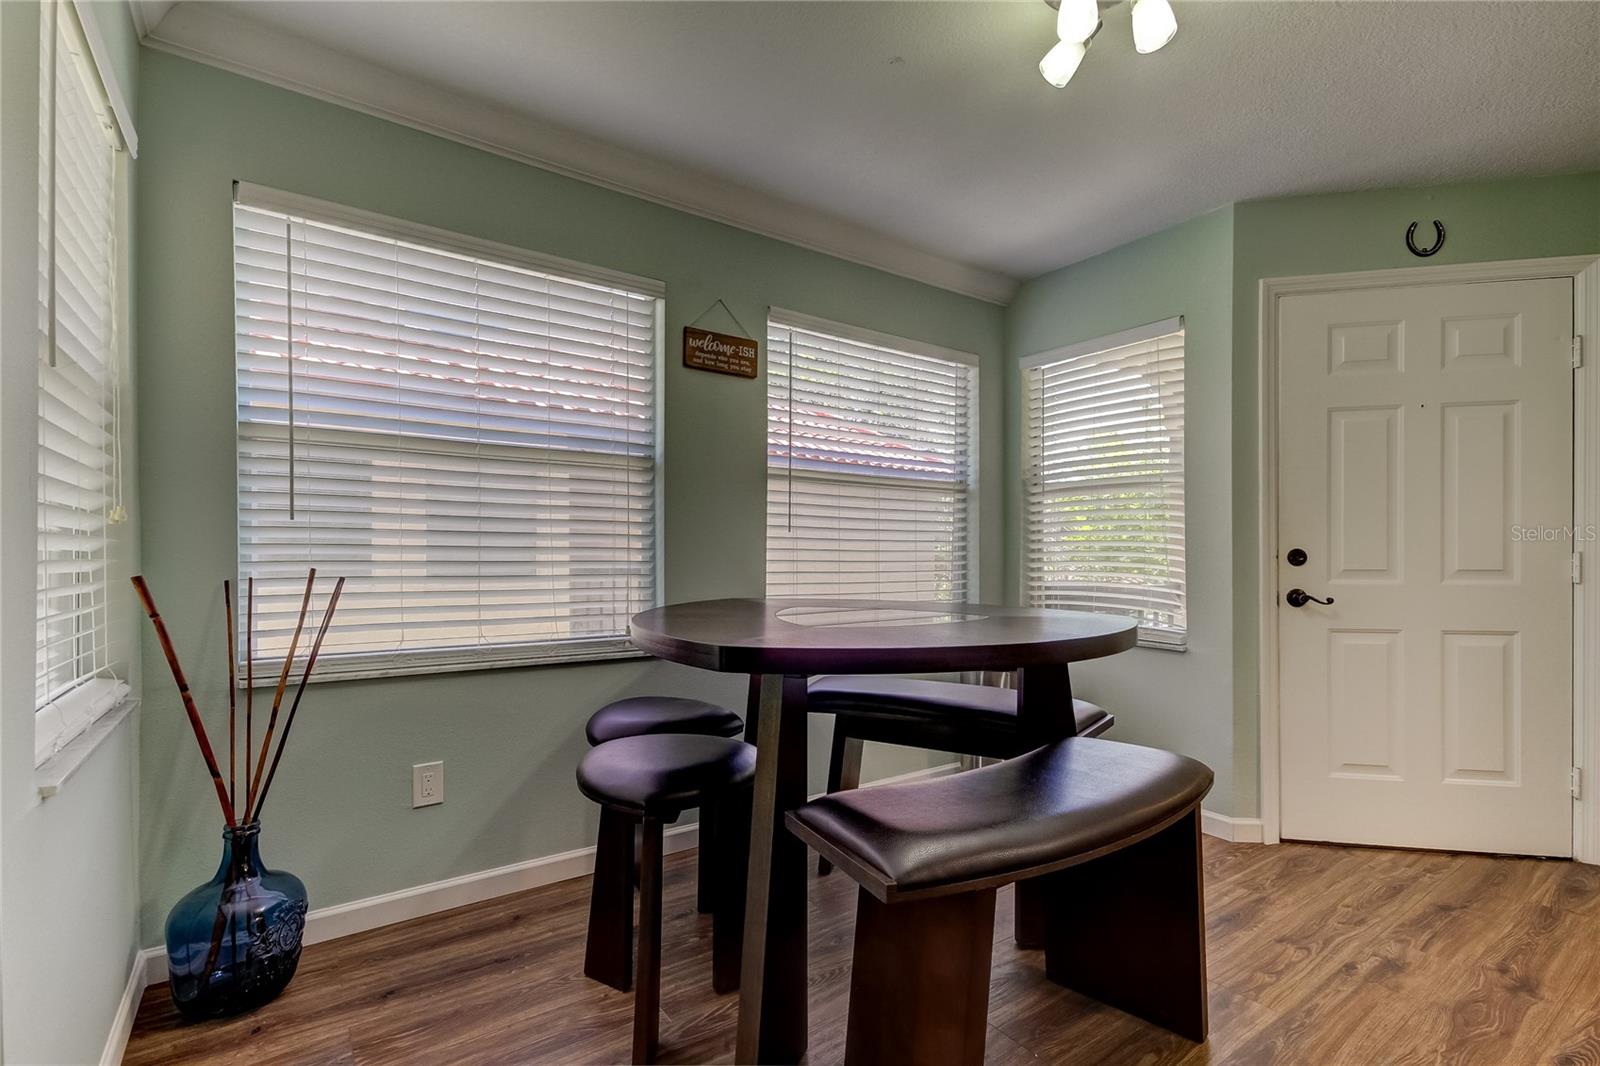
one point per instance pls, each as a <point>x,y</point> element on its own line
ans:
<point>883,695</point>
<point>664,773</point>
<point>1030,815</point>
<point>639,715</point>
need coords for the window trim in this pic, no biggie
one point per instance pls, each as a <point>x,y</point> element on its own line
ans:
<point>1120,339</point>
<point>860,334</point>
<point>844,331</point>
<point>1155,639</point>
<point>106,70</point>
<point>366,665</point>
<point>248,194</point>
<point>68,721</point>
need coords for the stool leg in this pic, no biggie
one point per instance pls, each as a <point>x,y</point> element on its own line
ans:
<point>752,710</point>
<point>733,864</point>
<point>608,956</point>
<point>844,772</point>
<point>647,980</point>
<point>919,982</point>
<point>1138,939</point>
<point>705,890</point>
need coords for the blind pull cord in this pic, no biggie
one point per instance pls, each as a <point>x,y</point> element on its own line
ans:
<point>117,512</point>
<point>788,480</point>
<point>288,304</point>
<point>55,39</point>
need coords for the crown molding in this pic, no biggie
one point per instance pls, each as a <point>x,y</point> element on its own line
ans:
<point>147,14</point>
<point>210,34</point>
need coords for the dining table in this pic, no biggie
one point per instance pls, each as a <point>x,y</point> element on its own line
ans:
<point>783,642</point>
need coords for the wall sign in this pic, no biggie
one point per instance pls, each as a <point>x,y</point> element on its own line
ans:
<point>721,353</point>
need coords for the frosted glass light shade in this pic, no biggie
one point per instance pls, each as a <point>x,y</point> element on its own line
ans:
<point>1077,19</point>
<point>1154,24</point>
<point>1061,62</point>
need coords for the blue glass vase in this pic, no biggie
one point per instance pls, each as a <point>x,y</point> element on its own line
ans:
<point>234,942</point>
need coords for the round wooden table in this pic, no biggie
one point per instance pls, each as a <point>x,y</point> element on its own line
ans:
<point>783,642</point>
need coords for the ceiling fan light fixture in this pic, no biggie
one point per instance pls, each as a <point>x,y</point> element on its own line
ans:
<point>1154,24</point>
<point>1061,62</point>
<point>1076,19</point>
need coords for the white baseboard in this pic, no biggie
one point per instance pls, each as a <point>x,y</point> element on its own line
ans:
<point>374,912</point>
<point>1238,830</point>
<point>900,779</point>
<point>122,1023</point>
<point>358,916</point>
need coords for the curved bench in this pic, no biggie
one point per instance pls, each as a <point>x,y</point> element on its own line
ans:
<point>1114,829</point>
<point>937,715</point>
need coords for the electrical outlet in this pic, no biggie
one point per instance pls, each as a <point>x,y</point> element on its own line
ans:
<point>427,784</point>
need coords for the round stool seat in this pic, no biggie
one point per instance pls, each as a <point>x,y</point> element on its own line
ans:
<point>641,715</point>
<point>664,773</point>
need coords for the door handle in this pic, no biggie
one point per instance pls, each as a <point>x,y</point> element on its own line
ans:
<point>1300,597</point>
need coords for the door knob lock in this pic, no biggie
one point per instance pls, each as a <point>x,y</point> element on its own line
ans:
<point>1300,597</point>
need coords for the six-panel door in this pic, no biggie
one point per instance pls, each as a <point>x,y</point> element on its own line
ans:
<point>1425,467</point>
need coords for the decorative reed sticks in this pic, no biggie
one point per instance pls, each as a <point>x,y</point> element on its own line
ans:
<point>259,780</point>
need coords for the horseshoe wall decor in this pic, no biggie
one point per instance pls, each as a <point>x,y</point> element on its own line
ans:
<point>1438,239</point>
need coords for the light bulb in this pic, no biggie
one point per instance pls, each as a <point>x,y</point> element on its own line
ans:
<point>1153,25</point>
<point>1061,62</point>
<point>1077,19</point>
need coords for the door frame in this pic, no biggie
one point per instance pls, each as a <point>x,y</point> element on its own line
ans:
<point>1584,271</point>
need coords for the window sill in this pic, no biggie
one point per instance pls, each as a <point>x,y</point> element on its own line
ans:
<point>1160,644</point>
<point>50,775</point>
<point>368,667</point>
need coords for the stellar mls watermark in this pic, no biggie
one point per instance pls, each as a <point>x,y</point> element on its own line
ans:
<point>1537,534</point>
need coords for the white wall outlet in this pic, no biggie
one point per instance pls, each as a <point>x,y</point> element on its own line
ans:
<point>427,784</point>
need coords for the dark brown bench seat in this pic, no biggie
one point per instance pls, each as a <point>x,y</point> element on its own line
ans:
<point>1112,828</point>
<point>948,716</point>
<point>939,715</point>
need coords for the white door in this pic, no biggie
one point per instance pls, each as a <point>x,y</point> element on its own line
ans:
<point>1425,470</point>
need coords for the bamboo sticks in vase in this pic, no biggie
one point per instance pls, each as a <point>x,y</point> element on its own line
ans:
<point>258,773</point>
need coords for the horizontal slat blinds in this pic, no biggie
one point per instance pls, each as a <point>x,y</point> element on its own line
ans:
<point>869,463</point>
<point>78,361</point>
<point>1105,485</point>
<point>470,442</point>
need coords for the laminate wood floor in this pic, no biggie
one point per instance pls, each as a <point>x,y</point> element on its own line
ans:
<point>1318,955</point>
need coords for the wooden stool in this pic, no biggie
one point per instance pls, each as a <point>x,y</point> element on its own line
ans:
<point>1114,828</point>
<point>645,782</point>
<point>639,716</point>
<point>937,715</point>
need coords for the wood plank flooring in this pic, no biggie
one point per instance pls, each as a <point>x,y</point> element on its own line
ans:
<point>1318,955</point>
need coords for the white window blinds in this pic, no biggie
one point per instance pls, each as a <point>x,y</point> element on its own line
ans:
<point>77,388</point>
<point>468,438</point>
<point>1105,480</point>
<point>869,464</point>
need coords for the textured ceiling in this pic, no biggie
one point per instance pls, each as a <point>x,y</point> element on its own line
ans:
<point>929,121</point>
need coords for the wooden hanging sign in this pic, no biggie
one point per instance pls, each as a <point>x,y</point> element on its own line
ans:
<point>720,353</point>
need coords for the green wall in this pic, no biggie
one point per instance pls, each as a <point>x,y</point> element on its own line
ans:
<point>69,891</point>
<point>341,815</point>
<point>1206,702</point>
<point>1180,700</point>
<point>510,738</point>
<point>1210,269</point>
<point>1529,218</point>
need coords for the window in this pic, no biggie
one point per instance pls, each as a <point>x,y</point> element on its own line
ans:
<point>1105,479</point>
<point>869,464</point>
<point>465,431</point>
<point>79,354</point>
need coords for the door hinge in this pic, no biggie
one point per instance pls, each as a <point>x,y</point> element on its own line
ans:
<point>1577,568</point>
<point>1577,351</point>
<point>1577,782</point>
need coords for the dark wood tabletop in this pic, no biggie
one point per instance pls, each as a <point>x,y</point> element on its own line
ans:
<point>873,636</point>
